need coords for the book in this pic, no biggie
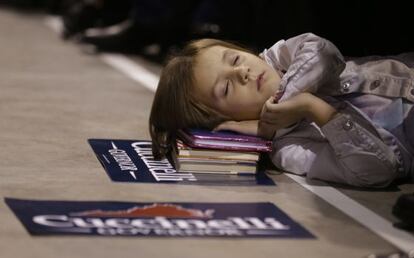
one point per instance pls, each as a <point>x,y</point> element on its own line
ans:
<point>218,161</point>
<point>224,140</point>
<point>185,151</point>
<point>213,174</point>
<point>216,165</point>
<point>215,168</point>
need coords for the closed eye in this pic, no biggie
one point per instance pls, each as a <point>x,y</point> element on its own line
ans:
<point>226,89</point>
<point>236,59</point>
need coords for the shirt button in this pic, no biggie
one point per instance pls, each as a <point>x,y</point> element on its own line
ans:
<point>348,125</point>
<point>345,86</point>
<point>375,84</point>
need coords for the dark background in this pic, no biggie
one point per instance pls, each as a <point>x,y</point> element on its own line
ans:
<point>357,28</point>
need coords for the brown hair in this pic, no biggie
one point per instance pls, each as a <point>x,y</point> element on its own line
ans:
<point>174,106</point>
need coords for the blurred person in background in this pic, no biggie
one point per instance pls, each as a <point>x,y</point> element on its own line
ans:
<point>357,28</point>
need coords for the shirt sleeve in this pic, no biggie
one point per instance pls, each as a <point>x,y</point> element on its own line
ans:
<point>347,154</point>
<point>307,61</point>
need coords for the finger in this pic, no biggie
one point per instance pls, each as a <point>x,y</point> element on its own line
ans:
<point>266,131</point>
<point>271,117</point>
<point>271,107</point>
<point>233,126</point>
<point>227,125</point>
<point>269,121</point>
<point>264,107</point>
<point>274,125</point>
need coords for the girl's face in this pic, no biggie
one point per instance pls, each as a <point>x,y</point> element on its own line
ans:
<point>233,82</point>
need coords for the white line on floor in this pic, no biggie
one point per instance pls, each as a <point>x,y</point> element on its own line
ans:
<point>366,217</point>
<point>132,69</point>
<point>120,62</point>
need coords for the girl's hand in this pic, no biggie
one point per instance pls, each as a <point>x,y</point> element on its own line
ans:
<point>244,127</point>
<point>304,105</point>
<point>281,115</point>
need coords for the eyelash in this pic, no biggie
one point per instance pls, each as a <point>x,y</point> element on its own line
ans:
<point>235,60</point>
<point>226,90</point>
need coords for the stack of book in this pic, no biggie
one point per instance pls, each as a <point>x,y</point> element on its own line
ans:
<point>223,152</point>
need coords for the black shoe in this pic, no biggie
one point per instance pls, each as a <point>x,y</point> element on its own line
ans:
<point>122,37</point>
<point>78,17</point>
<point>404,211</point>
<point>81,15</point>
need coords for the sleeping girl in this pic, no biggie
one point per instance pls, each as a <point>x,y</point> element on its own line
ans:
<point>343,122</point>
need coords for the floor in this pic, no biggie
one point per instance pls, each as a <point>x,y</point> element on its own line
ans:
<point>54,96</point>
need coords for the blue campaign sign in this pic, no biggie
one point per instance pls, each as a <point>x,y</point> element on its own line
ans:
<point>108,218</point>
<point>132,161</point>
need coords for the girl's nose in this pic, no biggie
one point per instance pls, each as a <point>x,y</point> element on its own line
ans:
<point>243,74</point>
